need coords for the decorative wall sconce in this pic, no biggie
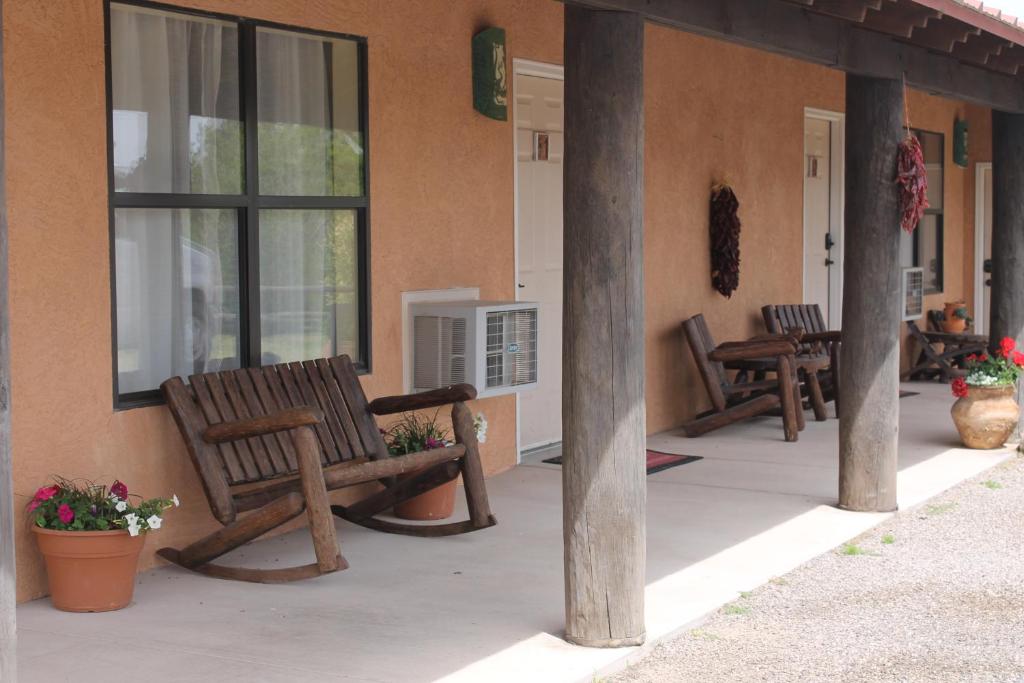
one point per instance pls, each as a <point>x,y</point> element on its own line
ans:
<point>490,76</point>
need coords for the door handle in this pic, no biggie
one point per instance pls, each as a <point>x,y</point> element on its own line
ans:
<point>829,262</point>
<point>521,286</point>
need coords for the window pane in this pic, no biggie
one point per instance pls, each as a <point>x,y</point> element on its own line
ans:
<point>177,294</point>
<point>309,139</point>
<point>308,284</point>
<point>175,103</point>
<point>932,146</point>
<point>929,242</point>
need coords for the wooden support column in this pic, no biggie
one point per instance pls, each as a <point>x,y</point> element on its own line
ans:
<point>869,375</point>
<point>1007,310</point>
<point>8,579</point>
<point>604,488</point>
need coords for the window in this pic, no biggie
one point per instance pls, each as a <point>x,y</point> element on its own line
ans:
<point>238,195</point>
<point>924,247</point>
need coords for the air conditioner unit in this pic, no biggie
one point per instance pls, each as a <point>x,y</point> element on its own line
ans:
<point>913,293</point>
<point>489,344</point>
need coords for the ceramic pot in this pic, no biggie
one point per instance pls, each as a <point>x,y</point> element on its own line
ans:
<point>437,503</point>
<point>953,324</point>
<point>90,571</point>
<point>986,416</point>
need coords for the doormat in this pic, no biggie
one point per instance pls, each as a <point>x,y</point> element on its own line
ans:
<point>656,460</point>
<point>904,394</point>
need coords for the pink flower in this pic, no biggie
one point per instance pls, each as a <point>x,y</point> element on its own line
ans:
<point>433,443</point>
<point>33,505</point>
<point>46,493</point>
<point>65,513</point>
<point>119,490</point>
<point>959,387</point>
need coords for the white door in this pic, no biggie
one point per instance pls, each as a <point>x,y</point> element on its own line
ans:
<point>823,214</point>
<point>982,247</point>
<point>539,151</point>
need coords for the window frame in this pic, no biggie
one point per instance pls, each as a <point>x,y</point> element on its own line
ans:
<point>248,204</point>
<point>940,224</point>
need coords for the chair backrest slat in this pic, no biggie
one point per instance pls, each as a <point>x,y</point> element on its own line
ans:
<point>348,430</point>
<point>701,343</point>
<point>782,318</point>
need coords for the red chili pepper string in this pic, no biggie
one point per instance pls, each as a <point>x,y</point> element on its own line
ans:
<point>911,174</point>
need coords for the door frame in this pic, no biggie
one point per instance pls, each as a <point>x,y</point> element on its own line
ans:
<point>523,67</point>
<point>837,201</point>
<point>979,244</point>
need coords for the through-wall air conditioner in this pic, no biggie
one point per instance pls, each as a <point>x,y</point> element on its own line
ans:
<point>489,344</point>
<point>913,293</point>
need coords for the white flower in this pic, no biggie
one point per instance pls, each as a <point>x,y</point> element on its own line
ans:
<point>133,529</point>
<point>121,506</point>
<point>174,499</point>
<point>131,518</point>
<point>113,497</point>
<point>154,522</point>
<point>480,426</point>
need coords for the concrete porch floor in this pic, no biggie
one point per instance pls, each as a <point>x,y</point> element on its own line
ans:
<point>488,606</point>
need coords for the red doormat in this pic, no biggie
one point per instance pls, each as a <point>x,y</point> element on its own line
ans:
<point>656,460</point>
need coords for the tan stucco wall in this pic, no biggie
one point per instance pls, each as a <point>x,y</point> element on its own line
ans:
<point>441,213</point>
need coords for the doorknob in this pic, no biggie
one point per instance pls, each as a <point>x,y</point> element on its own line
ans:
<point>521,285</point>
<point>829,262</point>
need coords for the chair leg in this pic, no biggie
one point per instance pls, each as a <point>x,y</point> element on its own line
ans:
<point>472,470</point>
<point>834,360</point>
<point>817,399</point>
<point>318,505</point>
<point>790,398</point>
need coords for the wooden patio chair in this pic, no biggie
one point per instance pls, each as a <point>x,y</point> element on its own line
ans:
<point>940,355</point>
<point>273,441</point>
<point>817,343</point>
<point>734,401</point>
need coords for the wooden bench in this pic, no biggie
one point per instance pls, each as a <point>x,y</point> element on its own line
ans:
<point>273,441</point>
<point>819,350</point>
<point>940,355</point>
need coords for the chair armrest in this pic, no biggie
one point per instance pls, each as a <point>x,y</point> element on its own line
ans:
<point>457,393</point>
<point>830,336</point>
<point>751,350</point>
<point>283,420</point>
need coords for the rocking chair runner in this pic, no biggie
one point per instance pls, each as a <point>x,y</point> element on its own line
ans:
<point>732,401</point>
<point>274,440</point>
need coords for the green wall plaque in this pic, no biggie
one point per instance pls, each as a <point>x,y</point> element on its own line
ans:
<point>960,143</point>
<point>490,79</point>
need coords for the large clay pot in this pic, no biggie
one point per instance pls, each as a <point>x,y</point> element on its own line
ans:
<point>986,416</point>
<point>437,503</point>
<point>90,571</point>
<point>952,323</point>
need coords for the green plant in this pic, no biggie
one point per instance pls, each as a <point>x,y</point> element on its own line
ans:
<point>939,508</point>
<point>991,484</point>
<point>79,505</point>
<point>414,433</point>
<point>733,608</point>
<point>888,539</point>
<point>1001,369</point>
<point>851,549</point>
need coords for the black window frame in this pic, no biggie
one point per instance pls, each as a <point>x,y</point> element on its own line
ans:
<point>940,225</point>
<point>248,204</point>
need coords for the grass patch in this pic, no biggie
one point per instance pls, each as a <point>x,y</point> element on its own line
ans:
<point>704,635</point>
<point>852,549</point>
<point>939,508</point>
<point>991,484</point>
<point>888,539</point>
<point>778,581</point>
<point>733,608</point>
<point>746,594</point>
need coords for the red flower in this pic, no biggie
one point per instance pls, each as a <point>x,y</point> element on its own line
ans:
<point>982,358</point>
<point>66,514</point>
<point>33,505</point>
<point>1007,346</point>
<point>46,493</point>
<point>959,387</point>
<point>119,490</point>
<point>972,358</point>
<point>1018,359</point>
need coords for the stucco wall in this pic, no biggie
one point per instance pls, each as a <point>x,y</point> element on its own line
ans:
<point>441,213</point>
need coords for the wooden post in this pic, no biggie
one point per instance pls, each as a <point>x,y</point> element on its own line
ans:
<point>8,579</point>
<point>1007,310</point>
<point>869,381</point>
<point>604,488</point>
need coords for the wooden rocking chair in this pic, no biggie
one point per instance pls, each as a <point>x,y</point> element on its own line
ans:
<point>817,356</point>
<point>273,441</point>
<point>940,355</point>
<point>735,401</point>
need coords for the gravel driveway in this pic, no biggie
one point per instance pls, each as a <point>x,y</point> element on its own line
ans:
<point>934,594</point>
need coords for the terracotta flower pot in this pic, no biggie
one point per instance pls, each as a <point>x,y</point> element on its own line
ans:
<point>986,416</point>
<point>90,571</point>
<point>438,503</point>
<point>951,323</point>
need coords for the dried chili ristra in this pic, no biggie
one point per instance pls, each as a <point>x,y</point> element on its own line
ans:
<point>725,240</point>
<point>912,177</point>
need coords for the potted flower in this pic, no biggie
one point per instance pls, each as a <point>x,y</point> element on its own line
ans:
<point>90,537</point>
<point>985,412</point>
<point>414,433</point>
<point>954,318</point>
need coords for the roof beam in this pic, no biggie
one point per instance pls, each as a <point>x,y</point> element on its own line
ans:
<point>788,29</point>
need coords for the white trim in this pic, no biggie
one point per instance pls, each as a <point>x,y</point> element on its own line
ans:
<point>837,202</point>
<point>523,67</point>
<point>422,296</point>
<point>979,245</point>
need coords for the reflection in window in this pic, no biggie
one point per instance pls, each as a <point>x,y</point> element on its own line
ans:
<point>927,238</point>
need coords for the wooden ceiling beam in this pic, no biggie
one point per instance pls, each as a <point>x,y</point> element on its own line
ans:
<point>787,28</point>
<point>943,35</point>
<point>900,18</point>
<point>850,10</point>
<point>980,49</point>
<point>1009,61</point>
